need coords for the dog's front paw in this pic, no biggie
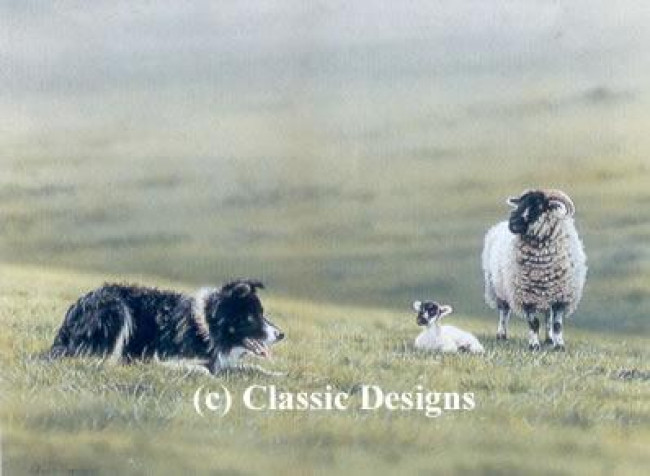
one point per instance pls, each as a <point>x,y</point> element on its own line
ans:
<point>275,373</point>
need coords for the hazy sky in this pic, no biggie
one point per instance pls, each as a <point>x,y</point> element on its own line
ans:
<point>89,44</point>
<point>66,66</point>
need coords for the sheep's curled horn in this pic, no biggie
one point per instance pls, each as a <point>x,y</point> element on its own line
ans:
<point>563,198</point>
<point>552,195</point>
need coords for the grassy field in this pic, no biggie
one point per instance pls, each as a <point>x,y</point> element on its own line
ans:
<point>351,155</point>
<point>362,167</point>
<point>371,232</point>
<point>586,411</point>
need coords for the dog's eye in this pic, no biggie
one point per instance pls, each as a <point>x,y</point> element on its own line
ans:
<point>251,319</point>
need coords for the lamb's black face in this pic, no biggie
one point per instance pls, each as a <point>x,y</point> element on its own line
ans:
<point>528,208</point>
<point>430,311</point>
<point>238,321</point>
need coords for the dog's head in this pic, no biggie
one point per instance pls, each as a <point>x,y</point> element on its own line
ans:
<point>237,321</point>
<point>430,312</point>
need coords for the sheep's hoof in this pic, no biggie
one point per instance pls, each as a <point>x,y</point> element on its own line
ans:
<point>548,341</point>
<point>533,347</point>
<point>559,348</point>
<point>502,337</point>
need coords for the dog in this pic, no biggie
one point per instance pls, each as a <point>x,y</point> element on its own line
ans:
<point>125,322</point>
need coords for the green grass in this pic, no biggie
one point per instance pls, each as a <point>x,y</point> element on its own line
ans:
<point>586,411</point>
<point>354,166</point>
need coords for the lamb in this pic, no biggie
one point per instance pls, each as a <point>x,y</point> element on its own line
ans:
<point>448,339</point>
<point>535,263</point>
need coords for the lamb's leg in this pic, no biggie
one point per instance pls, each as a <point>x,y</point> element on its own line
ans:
<point>449,348</point>
<point>533,326</point>
<point>504,317</point>
<point>549,327</point>
<point>558,318</point>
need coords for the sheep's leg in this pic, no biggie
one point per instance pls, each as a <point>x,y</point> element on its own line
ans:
<point>558,318</point>
<point>504,317</point>
<point>549,327</point>
<point>533,329</point>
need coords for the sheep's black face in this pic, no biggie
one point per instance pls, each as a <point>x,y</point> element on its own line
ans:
<point>528,208</point>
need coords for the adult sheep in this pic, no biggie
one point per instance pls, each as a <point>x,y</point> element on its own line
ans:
<point>535,263</point>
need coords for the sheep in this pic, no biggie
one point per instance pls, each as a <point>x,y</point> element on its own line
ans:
<point>448,339</point>
<point>535,263</point>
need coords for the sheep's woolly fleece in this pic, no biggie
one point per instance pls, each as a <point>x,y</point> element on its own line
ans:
<point>544,266</point>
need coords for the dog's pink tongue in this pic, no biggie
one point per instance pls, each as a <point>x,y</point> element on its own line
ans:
<point>258,348</point>
<point>264,351</point>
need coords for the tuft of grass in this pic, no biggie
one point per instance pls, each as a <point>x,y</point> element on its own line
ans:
<point>586,411</point>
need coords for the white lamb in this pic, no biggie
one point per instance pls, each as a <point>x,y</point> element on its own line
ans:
<point>448,339</point>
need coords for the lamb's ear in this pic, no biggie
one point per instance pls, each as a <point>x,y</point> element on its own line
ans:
<point>417,306</point>
<point>445,311</point>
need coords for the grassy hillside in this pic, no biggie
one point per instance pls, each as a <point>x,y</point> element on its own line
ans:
<point>586,411</point>
<point>373,231</point>
<point>349,153</point>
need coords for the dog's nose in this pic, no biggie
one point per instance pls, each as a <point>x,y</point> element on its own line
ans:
<point>279,335</point>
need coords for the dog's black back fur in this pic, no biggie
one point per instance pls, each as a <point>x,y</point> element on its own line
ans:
<point>140,322</point>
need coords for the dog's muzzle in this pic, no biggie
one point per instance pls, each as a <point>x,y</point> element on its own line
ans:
<point>257,347</point>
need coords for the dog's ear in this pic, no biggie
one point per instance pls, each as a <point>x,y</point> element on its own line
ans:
<point>241,289</point>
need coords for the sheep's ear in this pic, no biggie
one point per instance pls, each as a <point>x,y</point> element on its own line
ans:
<point>255,284</point>
<point>445,311</point>
<point>513,201</point>
<point>417,306</point>
<point>560,205</point>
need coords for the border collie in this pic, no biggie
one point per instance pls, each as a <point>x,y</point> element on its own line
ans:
<point>124,322</point>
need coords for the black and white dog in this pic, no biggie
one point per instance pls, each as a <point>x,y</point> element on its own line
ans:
<point>123,322</point>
